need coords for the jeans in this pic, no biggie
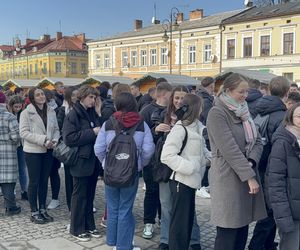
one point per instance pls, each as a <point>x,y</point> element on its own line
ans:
<point>120,219</point>
<point>231,238</point>
<point>151,199</point>
<point>23,175</point>
<point>39,167</point>
<point>290,240</point>
<point>55,179</point>
<point>166,212</point>
<point>8,194</point>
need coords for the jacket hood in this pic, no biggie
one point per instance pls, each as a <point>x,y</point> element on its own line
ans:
<point>253,95</point>
<point>128,119</point>
<point>204,94</point>
<point>269,104</point>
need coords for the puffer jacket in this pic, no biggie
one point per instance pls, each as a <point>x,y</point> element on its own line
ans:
<point>283,179</point>
<point>33,131</point>
<point>252,99</point>
<point>208,103</point>
<point>190,165</point>
<point>142,136</point>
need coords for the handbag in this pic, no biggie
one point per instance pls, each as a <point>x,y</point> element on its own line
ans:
<point>65,154</point>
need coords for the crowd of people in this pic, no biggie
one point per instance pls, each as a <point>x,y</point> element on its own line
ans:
<point>239,146</point>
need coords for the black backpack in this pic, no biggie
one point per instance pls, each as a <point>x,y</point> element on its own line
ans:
<point>121,162</point>
<point>261,123</point>
<point>161,172</point>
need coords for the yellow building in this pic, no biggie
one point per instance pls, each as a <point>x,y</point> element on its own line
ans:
<point>62,56</point>
<point>192,48</point>
<point>264,38</point>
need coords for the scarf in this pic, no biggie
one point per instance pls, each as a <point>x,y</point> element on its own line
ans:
<point>242,112</point>
<point>128,119</point>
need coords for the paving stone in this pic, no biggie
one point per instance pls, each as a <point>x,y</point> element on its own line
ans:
<point>57,243</point>
<point>94,242</point>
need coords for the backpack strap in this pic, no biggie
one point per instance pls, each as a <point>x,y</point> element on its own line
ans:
<point>184,140</point>
<point>115,124</point>
<point>132,130</point>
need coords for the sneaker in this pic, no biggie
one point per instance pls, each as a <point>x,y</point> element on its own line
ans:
<point>53,204</point>
<point>148,231</point>
<point>196,247</point>
<point>94,233</point>
<point>82,237</point>
<point>103,222</point>
<point>37,218</point>
<point>13,210</point>
<point>136,248</point>
<point>24,196</point>
<point>46,216</point>
<point>67,227</point>
<point>203,193</point>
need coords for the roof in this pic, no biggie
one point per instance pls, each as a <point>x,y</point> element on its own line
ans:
<point>207,21</point>
<point>7,47</point>
<point>172,79</point>
<point>27,83</point>
<point>111,79</point>
<point>262,76</point>
<point>257,13</point>
<point>63,44</point>
<point>66,81</point>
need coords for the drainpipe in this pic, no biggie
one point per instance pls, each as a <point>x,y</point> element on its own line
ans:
<point>180,43</point>
<point>222,28</point>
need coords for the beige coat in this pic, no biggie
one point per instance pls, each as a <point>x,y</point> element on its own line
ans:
<point>232,205</point>
<point>190,165</point>
<point>33,131</point>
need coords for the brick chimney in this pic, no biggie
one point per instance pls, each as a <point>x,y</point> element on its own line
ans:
<point>138,24</point>
<point>46,38</point>
<point>81,37</point>
<point>196,14</point>
<point>58,35</point>
<point>179,17</point>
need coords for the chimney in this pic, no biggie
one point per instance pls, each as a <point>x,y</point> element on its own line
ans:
<point>58,35</point>
<point>138,24</point>
<point>18,43</point>
<point>46,38</point>
<point>248,3</point>
<point>196,14</point>
<point>179,17</point>
<point>156,21</point>
<point>81,37</point>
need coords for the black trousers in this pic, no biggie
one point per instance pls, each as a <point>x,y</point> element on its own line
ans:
<point>82,216</point>
<point>55,179</point>
<point>8,194</point>
<point>39,168</point>
<point>182,217</point>
<point>68,185</point>
<point>231,238</point>
<point>151,199</point>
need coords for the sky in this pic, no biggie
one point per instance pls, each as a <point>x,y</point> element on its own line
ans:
<point>96,18</point>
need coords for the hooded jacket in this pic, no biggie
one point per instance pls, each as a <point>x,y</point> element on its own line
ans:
<point>283,179</point>
<point>144,101</point>
<point>252,99</point>
<point>208,103</point>
<point>107,109</point>
<point>275,108</point>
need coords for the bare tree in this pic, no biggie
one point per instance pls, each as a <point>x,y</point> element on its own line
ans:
<point>260,3</point>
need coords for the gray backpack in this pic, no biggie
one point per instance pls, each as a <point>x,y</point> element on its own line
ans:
<point>121,162</point>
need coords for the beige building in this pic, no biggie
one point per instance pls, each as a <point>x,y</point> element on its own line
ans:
<point>194,49</point>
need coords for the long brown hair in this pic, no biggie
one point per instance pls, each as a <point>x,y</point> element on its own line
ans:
<point>171,108</point>
<point>194,104</point>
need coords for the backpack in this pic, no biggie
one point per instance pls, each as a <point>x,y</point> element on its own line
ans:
<point>161,172</point>
<point>121,162</point>
<point>261,123</point>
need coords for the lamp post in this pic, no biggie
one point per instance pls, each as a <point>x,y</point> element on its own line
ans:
<point>168,23</point>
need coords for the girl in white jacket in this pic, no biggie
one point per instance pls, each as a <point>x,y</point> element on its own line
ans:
<point>188,169</point>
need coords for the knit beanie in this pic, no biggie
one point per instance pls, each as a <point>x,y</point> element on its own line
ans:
<point>2,97</point>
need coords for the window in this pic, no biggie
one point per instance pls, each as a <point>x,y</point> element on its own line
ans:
<point>143,58</point>
<point>98,61</point>
<point>192,54</point>
<point>36,68</point>
<point>288,43</point>
<point>248,47</point>
<point>44,70</point>
<point>73,68</point>
<point>289,76</point>
<point>24,70</point>
<point>83,68</point>
<point>264,45</point>
<point>106,61</point>
<point>124,59</point>
<point>164,56</point>
<point>58,67</point>
<point>153,56</point>
<point>133,58</point>
<point>230,48</point>
<point>207,53</point>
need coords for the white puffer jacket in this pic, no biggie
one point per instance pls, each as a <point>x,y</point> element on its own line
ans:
<point>190,165</point>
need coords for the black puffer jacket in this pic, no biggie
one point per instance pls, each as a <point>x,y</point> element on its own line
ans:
<point>208,104</point>
<point>107,109</point>
<point>283,179</point>
<point>144,101</point>
<point>273,106</point>
<point>252,99</point>
<point>78,132</point>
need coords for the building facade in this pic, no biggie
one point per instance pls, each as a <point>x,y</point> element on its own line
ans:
<point>192,48</point>
<point>264,38</point>
<point>62,56</point>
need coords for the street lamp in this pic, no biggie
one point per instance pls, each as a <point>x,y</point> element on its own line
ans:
<point>168,23</point>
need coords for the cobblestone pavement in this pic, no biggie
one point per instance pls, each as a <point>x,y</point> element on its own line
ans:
<point>18,233</point>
